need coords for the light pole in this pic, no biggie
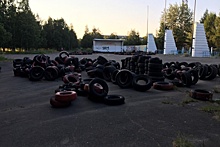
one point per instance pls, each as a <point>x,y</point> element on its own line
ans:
<point>194,17</point>
<point>147,18</point>
<point>165,13</point>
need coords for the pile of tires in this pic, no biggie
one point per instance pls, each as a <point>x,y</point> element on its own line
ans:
<point>187,74</point>
<point>95,89</point>
<point>42,67</point>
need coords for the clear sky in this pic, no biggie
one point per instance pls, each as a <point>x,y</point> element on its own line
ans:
<point>114,16</point>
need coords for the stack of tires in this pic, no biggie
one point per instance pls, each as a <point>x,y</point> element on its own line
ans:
<point>155,67</point>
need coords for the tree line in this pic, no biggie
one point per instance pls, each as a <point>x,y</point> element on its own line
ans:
<point>20,28</point>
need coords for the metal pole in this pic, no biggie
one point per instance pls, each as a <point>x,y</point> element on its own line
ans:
<point>147,18</point>
<point>165,14</point>
<point>194,17</point>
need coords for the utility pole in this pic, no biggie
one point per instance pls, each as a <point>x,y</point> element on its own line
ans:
<point>165,14</point>
<point>194,17</point>
<point>147,18</point>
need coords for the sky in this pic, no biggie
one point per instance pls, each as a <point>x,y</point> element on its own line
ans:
<point>114,16</point>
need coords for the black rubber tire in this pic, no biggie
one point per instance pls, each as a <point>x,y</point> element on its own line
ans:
<point>114,100</point>
<point>194,75</point>
<point>107,72</point>
<point>93,94</point>
<point>124,78</point>
<point>212,72</point>
<point>155,60</point>
<point>203,71</point>
<point>51,73</point>
<point>113,76</point>
<point>102,60</point>
<point>186,79</point>
<point>155,74</point>
<point>65,53</point>
<point>155,66</point>
<point>140,87</point>
<point>36,73</point>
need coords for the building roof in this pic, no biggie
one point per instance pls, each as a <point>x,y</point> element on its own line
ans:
<point>110,40</point>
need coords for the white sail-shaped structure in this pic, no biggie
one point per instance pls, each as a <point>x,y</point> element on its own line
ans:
<point>151,45</point>
<point>169,43</point>
<point>200,45</point>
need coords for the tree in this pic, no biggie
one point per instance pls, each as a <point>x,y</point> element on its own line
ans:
<point>87,40</point>
<point>133,38</point>
<point>217,34</point>
<point>209,25</point>
<point>96,34</point>
<point>113,36</point>
<point>28,31</point>
<point>179,20</point>
<point>5,37</point>
<point>204,16</point>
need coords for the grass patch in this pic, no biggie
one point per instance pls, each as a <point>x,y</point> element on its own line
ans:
<point>213,109</point>
<point>181,141</point>
<point>187,101</point>
<point>2,58</point>
<point>38,51</point>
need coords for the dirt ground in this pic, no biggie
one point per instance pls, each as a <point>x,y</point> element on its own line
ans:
<point>147,119</point>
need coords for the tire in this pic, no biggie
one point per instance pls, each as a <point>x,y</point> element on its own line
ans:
<point>201,94</point>
<point>113,76</point>
<point>155,66</point>
<point>65,96</point>
<point>51,73</point>
<point>155,74</point>
<point>203,71</point>
<point>96,95</point>
<point>124,78</point>
<point>72,78</point>
<point>163,85</point>
<point>155,60</point>
<point>107,72</point>
<point>212,73</point>
<point>114,100</point>
<point>36,73</point>
<point>186,79</point>
<point>57,104</point>
<point>17,63</point>
<point>194,75</point>
<point>141,87</point>
<point>63,55</point>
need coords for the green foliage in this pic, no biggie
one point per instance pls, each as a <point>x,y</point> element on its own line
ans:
<point>181,141</point>
<point>87,40</point>
<point>133,38</point>
<point>2,58</point>
<point>113,36</point>
<point>179,20</point>
<point>209,24</point>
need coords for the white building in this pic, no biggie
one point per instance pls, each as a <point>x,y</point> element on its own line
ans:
<point>108,45</point>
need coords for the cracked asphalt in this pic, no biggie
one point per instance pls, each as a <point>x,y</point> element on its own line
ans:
<point>147,119</point>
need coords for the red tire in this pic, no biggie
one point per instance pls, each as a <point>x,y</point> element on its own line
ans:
<point>57,104</point>
<point>65,96</point>
<point>201,94</point>
<point>163,86</point>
